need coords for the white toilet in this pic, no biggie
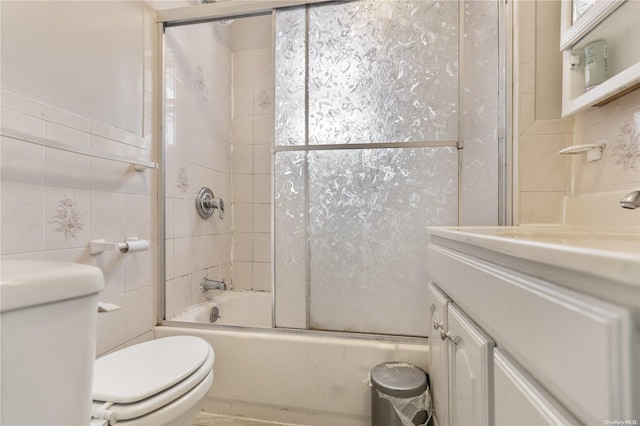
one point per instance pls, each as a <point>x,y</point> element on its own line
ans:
<point>48,313</point>
<point>161,382</point>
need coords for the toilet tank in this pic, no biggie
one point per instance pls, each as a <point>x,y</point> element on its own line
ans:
<point>48,313</point>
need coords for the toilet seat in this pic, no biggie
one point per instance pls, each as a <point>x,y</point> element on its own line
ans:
<point>138,380</point>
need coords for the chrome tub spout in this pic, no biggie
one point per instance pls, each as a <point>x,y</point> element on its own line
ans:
<point>207,284</point>
<point>631,201</point>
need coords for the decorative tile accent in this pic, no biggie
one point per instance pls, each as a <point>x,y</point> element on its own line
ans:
<point>626,147</point>
<point>264,100</point>
<point>183,180</point>
<point>67,218</point>
<point>200,78</point>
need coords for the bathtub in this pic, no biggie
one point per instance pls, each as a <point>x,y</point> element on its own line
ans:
<point>296,376</point>
<point>239,308</point>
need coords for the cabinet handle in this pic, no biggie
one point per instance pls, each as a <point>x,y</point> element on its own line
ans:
<point>437,324</point>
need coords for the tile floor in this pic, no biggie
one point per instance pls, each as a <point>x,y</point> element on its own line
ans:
<point>209,419</point>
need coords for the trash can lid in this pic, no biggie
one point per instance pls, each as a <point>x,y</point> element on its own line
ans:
<point>398,379</point>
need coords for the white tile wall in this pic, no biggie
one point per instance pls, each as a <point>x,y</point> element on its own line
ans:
<point>23,218</point>
<point>51,212</point>
<point>22,162</point>
<point>253,134</point>
<point>198,150</point>
<point>544,178</point>
<point>541,175</point>
<point>618,124</point>
<point>54,202</point>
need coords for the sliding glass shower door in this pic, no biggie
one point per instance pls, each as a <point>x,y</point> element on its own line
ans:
<point>367,156</point>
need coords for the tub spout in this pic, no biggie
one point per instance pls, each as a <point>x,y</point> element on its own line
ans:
<point>207,284</point>
<point>631,201</point>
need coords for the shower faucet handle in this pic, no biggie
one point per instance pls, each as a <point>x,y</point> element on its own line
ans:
<point>206,203</point>
<point>218,203</point>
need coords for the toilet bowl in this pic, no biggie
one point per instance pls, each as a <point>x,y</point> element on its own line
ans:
<point>160,382</point>
<point>48,314</point>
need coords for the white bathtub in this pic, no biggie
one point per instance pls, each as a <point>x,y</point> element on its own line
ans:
<point>300,377</point>
<point>240,308</point>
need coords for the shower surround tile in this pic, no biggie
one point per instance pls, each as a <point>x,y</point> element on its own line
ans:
<point>243,130</point>
<point>198,154</point>
<point>262,276</point>
<point>243,188</point>
<point>253,92</point>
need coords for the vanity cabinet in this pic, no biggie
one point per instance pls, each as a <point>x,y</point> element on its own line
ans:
<point>460,360</point>
<point>521,348</point>
<point>617,23</point>
<point>519,399</point>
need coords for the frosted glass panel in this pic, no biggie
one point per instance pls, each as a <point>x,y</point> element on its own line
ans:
<point>290,73</point>
<point>290,239</point>
<point>367,243</point>
<point>350,237</point>
<point>480,114</point>
<point>382,71</point>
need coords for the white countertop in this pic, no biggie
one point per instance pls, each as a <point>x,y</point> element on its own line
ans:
<point>614,256</point>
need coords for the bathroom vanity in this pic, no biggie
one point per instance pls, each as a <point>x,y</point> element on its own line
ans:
<point>534,325</point>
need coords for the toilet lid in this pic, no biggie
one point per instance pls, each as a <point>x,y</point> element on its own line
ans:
<point>140,371</point>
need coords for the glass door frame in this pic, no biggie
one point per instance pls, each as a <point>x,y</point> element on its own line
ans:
<point>225,10</point>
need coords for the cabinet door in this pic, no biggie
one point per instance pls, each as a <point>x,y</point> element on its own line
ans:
<point>438,355</point>
<point>520,400</point>
<point>470,362</point>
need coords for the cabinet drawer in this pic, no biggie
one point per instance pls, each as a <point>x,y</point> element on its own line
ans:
<point>576,346</point>
<point>519,400</point>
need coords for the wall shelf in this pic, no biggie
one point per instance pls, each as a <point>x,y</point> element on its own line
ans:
<point>139,165</point>
<point>618,24</point>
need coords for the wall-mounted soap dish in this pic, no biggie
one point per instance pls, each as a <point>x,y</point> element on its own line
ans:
<point>593,150</point>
